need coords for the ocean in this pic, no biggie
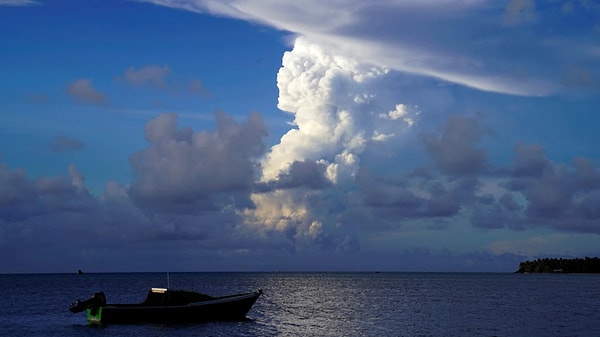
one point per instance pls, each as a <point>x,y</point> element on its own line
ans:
<point>322,304</point>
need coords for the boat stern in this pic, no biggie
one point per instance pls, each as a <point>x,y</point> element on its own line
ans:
<point>94,315</point>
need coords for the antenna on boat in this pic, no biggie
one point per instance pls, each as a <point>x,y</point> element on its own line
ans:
<point>168,286</point>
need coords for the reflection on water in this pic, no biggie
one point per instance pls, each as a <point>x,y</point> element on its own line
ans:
<point>324,304</point>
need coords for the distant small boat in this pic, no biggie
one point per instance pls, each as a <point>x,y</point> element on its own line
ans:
<point>168,306</point>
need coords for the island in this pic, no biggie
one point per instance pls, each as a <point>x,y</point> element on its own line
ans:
<point>560,265</point>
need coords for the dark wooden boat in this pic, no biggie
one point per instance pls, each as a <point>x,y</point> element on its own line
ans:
<point>168,306</point>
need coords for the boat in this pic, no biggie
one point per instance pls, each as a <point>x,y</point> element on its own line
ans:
<point>166,306</point>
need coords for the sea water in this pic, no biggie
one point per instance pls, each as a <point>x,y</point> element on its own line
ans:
<point>322,304</point>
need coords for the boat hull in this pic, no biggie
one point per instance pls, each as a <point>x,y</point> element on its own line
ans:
<point>229,308</point>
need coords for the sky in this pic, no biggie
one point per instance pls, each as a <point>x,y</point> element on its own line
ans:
<point>225,135</point>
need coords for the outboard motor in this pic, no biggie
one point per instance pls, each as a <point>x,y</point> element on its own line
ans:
<point>96,301</point>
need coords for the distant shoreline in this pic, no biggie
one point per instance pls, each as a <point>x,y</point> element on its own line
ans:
<point>587,265</point>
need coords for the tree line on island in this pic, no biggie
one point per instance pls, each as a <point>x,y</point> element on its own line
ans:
<point>560,265</point>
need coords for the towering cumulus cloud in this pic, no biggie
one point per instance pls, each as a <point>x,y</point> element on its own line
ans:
<point>339,107</point>
<point>342,108</point>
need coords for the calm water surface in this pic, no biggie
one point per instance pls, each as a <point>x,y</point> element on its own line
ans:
<point>323,304</point>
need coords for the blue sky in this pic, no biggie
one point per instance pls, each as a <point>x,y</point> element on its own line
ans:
<point>248,135</point>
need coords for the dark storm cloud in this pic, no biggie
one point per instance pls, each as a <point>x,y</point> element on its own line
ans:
<point>444,202</point>
<point>587,176</point>
<point>15,186</point>
<point>555,195</point>
<point>392,194</point>
<point>191,190</point>
<point>306,173</point>
<point>454,149</point>
<point>18,194</point>
<point>529,160</point>
<point>187,192</point>
<point>183,169</point>
<point>507,201</point>
<point>22,198</point>
<point>504,213</point>
<point>532,191</point>
<point>397,198</point>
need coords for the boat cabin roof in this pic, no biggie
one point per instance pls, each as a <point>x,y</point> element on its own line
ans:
<point>166,297</point>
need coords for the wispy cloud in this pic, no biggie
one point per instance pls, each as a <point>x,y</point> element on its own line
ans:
<point>160,77</point>
<point>519,12</point>
<point>472,43</point>
<point>152,75</point>
<point>17,3</point>
<point>63,144</point>
<point>37,98</point>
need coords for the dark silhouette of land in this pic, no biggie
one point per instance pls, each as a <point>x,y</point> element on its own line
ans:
<point>554,265</point>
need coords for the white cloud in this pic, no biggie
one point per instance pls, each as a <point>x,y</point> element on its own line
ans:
<point>341,109</point>
<point>401,112</point>
<point>337,105</point>
<point>278,210</point>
